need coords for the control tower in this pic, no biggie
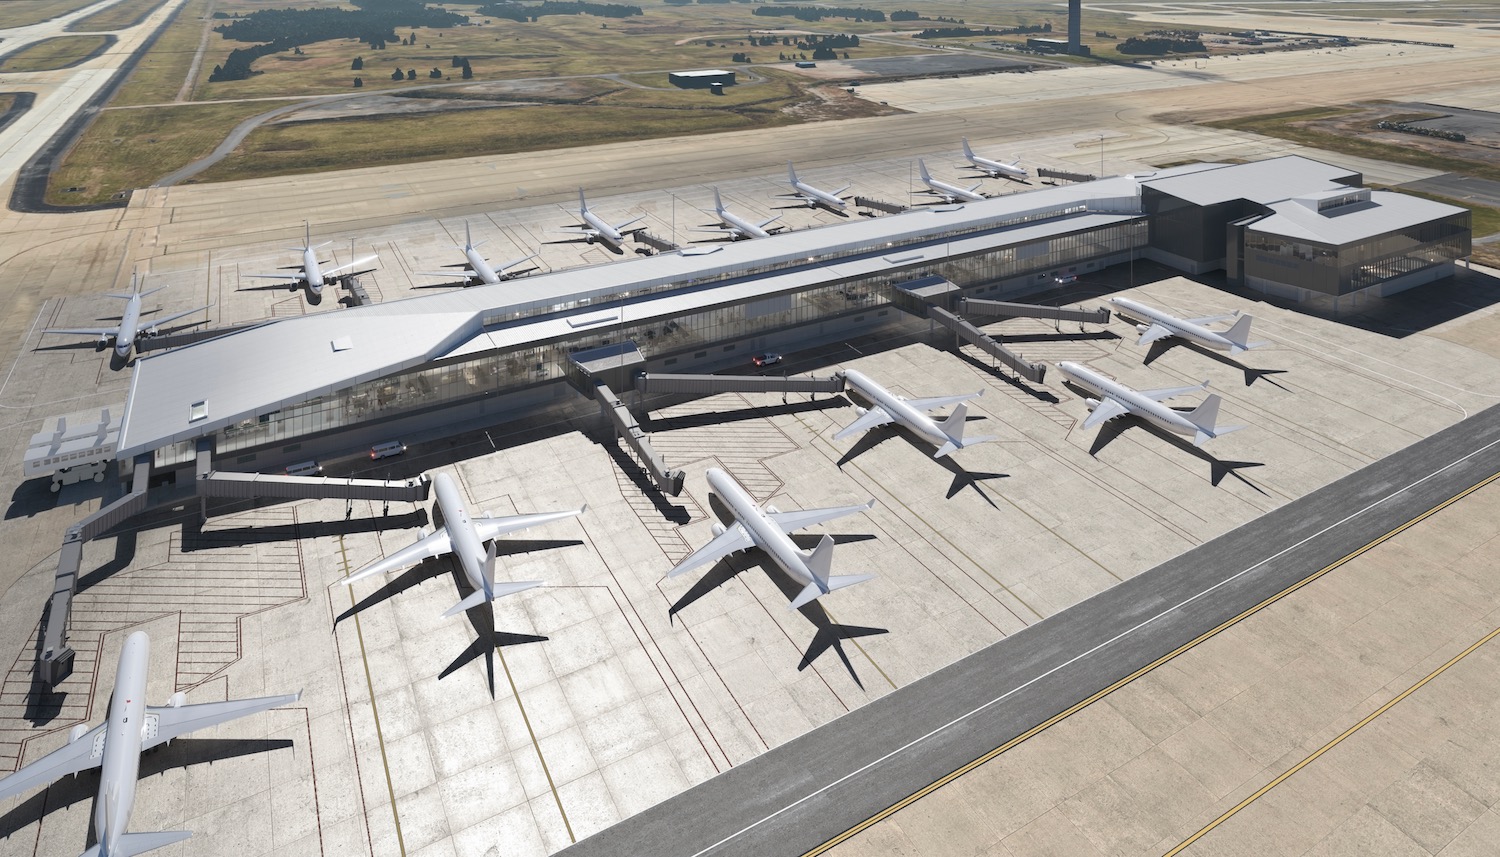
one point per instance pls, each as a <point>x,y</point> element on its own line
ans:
<point>1075,27</point>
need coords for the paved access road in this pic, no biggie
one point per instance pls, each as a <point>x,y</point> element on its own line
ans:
<point>805,792</point>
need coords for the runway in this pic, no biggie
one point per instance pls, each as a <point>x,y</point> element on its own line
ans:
<point>802,794</point>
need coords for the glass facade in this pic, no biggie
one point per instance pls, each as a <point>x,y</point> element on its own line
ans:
<point>1338,270</point>
<point>441,384</point>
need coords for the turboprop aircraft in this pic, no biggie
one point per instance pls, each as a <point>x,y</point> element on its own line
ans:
<point>1116,400</point>
<point>478,268</point>
<point>124,334</point>
<point>597,229</point>
<point>1161,325</point>
<point>811,196</point>
<point>768,530</point>
<point>994,169</point>
<point>115,746</point>
<point>949,192</point>
<point>887,407</point>
<point>470,540</point>
<point>310,273</point>
<point>738,227</point>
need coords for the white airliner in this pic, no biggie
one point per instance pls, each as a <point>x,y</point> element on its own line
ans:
<point>116,746</point>
<point>125,333</point>
<point>994,169</point>
<point>478,268</point>
<point>310,273</point>
<point>947,436</point>
<point>811,196</point>
<point>1235,340</point>
<point>738,227</point>
<point>596,228</point>
<point>768,530</point>
<point>471,540</point>
<point>1116,399</point>
<point>949,192</point>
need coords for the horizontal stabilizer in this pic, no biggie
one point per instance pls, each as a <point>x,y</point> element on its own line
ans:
<point>812,592</point>
<point>950,447</point>
<point>139,843</point>
<point>500,590</point>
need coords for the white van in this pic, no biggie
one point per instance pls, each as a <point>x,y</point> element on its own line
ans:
<point>386,450</point>
<point>304,468</point>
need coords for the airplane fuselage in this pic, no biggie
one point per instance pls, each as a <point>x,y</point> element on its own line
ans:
<point>740,226</point>
<point>311,274</point>
<point>1179,327</point>
<point>905,415</point>
<point>481,267</point>
<point>762,530</point>
<point>997,169</point>
<point>1147,409</point>
<point>130,321</point>
<point>814,197</point>
<point>468,549</point>
<point>602,231</point>
<point>953,193</point>
<point>122,744</point>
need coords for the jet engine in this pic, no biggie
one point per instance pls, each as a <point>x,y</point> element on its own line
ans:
<point>717,529</point>
<point>178,700</point>
<point>860,411</point>
<point>77,732</point>
<point>1091,403</point>
<point>1143,327</point>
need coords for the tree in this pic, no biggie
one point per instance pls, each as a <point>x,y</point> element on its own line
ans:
<point>397,75</point>
<point>468,72</point>
<point>411,74</point>
<point>358,64</point>
<point>458,61</point>
<point>435,74</point>
<point>358,82</point>
<point>218,73</point>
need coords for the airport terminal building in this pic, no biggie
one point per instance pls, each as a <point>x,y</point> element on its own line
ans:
<point>488,354</point>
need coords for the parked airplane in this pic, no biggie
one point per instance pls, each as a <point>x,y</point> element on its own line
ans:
<point>478,268</point>
<point>811,196</point>
<point>116,746</point>
<point>310,273</point>
<point>947,436</point>
<point>994,169</point>
<point>596,228</point>
<point>738,227</point>
<point>1235,340</point>
<point>1116,399</point>
<point>471,540</point>
<point>949,192</point>
<point>768,530</point>
<point>125,333</point>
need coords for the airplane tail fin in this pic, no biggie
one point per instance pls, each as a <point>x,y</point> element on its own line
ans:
<point>1239,336</point>
<point>791,172</point>
<point>968,152</point>
<point>953,428</point>
<point>922,170</point>
<point>583,204</point>
<point>132,844</point>
<point>1205,417</point>
<point>820,564</point>
<point>718,202</point>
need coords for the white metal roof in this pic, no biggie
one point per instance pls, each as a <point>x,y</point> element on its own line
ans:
<point>1262,181</point>
<point>1346,224</point>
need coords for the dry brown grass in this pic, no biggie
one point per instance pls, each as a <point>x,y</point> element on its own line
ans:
<point>117,17</point>
<point>49,54</point>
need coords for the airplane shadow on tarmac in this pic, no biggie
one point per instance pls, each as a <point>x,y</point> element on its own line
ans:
<point>1162,346</point>
<point>1218,468</point>
<point>961,478</point>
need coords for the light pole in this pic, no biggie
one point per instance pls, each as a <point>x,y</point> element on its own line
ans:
<point>1101,156</point>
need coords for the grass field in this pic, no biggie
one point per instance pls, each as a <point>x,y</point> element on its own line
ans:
<point>1291,126</point>
<point>119,16</point>
<point>315,146</point>
<point>126,149</point>
<point>159,75</point>
<point>23,13</point>
<point>49,54</point>
<point>776,91</point>
<point>6,100</point>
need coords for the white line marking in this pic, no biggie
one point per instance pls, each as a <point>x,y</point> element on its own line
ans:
<point>1111,641</point>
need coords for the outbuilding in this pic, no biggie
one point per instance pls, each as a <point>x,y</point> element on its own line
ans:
<point>704,79</point>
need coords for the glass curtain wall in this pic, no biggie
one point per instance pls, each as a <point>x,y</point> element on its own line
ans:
<point>1339,270</point>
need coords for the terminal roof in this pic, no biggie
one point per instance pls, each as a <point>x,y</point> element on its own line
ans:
<point>1264,182</point>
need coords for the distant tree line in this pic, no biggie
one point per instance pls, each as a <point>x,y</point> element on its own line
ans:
<point>818,13</point>
<point>520,12</point>
<point>1388,125</point>
<point>375,22</point>
<point>955,32</point>
<point>1159,46</point>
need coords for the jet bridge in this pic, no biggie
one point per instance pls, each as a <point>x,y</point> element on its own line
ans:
<point>879,205</point>
<point>1033,372</point>
<point>1005,309</point>
<point>625,426</point>
<point>708,385</point>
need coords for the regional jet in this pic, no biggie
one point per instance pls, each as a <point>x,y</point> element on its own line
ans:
<point>886,407</point>
<point>125,333</point>
<point>737,227</point>
<point>479,268</point>
<point>1235,340</point>
<point>811,196</point>
<point>1116,399</point>
<point>116,746</point>
<point>949,192</point>
<point>994,169</point>
<point>471,540</point>
<point>596,228</point>
<point>311,274</point>
<point>768,530</point>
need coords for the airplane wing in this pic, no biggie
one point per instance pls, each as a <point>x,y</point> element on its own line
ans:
<point>840,190</point>
<point>466,274</point>
<point>1172,392</point>
<point>158,322</point>
<point>1210,319</point>
<point>176,721</point>
<point>620,227</point>
<point>492,528</point>
<point>1153,333</point>
<point>1106,411</point>
<point>431,545</point>
<point>941,401</point>
<point>361,261</point>
<point>789,521</point>
<point>84,331</point>
<point>87,752</point>
<point>731,540</point>
<point>870,419</point>
<point>296,276</point>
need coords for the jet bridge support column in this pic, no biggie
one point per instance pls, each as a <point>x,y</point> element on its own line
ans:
<point>625,426</point>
